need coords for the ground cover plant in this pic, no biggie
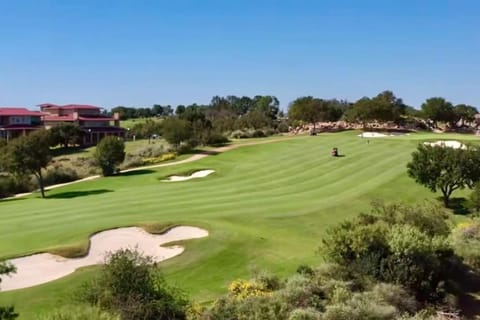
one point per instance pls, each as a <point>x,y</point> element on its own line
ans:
<point>266,206</point>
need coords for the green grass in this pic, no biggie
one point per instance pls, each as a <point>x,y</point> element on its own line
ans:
<point>266,206</point>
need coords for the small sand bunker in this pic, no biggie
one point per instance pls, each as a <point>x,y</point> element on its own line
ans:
<point>379,135</point>
<point>447,143</point>
<point>44,267</point>
<point>198,174</point>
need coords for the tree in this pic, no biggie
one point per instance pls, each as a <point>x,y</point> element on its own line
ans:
<point>65,134</point>
<point>384,107</point>
<point>7,313</point>
<point>29,154</point>
<point>474,199</point>
<point>464,113</point>
<point>445,169</point>
<point>109,153</point>
<point>176,131</point>
<point>132,286</point>
<point>308,109</point>
<point>438,110</point>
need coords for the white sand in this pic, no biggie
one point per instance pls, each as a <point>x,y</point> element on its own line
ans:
<point>379,135</point>
<point>447,143</point>
<point>198,174</point>
<point>44,267</point>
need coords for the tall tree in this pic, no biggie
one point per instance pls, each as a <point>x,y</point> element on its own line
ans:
<point>65,134</point>
<point>445,169</point>
<point>176,131</point>
<point>437,110</point>
<point>29,154</point>
<point>109,153</point>
<point>308,109</point>
<point>464,113</point>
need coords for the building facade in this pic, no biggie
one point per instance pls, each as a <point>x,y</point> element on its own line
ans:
<point>94,124</point>
<point>15,121</point>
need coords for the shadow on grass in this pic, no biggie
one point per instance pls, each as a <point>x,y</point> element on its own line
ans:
<point>199,151</point>
<point>75,194</point>
<point>135,173</point>
<point>458,205</point>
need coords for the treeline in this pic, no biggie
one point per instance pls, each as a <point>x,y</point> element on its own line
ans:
<point>395,262</point>
<point>230,113</point>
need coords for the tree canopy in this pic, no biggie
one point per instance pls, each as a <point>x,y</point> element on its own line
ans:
<point>29,154</point>
<point>109,153</point>
<point>444,168</point>
<point>383,107</point>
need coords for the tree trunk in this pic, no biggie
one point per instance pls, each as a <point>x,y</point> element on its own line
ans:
<point>40,183</point>
<point>446,196</point>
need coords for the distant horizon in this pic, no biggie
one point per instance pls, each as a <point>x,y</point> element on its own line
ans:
<point>146,52</point>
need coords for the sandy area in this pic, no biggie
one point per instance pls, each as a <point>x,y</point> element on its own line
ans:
<point>379,135</point>
<point>447,143</point>
<point>44,267</point>
<point>198,174</point>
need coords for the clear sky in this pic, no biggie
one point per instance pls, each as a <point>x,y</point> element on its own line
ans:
<point>140,52</point>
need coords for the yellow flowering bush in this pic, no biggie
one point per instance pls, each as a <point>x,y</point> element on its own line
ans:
<point>242,289</point>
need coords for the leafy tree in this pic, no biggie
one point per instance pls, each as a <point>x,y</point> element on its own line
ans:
<point>7,313</point>
<point>179,110</point>
<point>445,169</point>
<point>474,200</point>
<point>131,285</point>
<point>65,134</point>
<point>308,109</point>
<point>464,113</point>
<point>109,153</point>
<point>384,107</point>
<point>29,154</point>
<point>438,110</point>
<point>176,131</point>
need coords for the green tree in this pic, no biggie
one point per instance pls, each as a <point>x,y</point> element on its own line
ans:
<point>465,113</point>
<point>65,134</point>
<point>109,153</point>
<point>131,285</point>
<point>308,109</point>
<point>7,313</point>
<point>176,131</point>
<point>445,169</point>
<point>29,154</point>
<point>437,110</point>
<point>474,199</point>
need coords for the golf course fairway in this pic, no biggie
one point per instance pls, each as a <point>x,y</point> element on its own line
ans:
<point>266,206</point>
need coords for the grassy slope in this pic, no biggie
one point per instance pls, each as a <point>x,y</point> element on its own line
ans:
<point>266,206</point>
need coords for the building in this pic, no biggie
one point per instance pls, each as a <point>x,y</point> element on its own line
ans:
<point>93,122</point>
<point>18,121</point>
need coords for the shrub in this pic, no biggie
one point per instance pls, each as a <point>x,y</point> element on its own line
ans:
<point>258,134</point>
<point>79,313</point>
<point>283,127</point>
<point>59,174</point>
<point>215,139</point>
<point>130,284</point>
<point>109,153</point>
<point>466,241</point>
<point>305,314</point>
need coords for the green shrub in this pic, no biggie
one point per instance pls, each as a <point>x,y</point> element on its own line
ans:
<point>79,313</point>
<point>109,153</point>
<point>130,284</point>
<point>305,314</point>
<point>59,174</point>
<point>283,127</point>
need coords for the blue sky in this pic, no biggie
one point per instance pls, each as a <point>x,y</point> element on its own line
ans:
<point>140,52</point>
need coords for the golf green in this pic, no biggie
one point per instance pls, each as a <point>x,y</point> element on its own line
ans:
<point>266,206</point>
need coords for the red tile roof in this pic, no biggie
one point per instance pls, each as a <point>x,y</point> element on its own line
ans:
<point>16,111</point>
<point>69,106</point>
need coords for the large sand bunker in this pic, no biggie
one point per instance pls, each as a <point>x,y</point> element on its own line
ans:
<point>198,174</point>
<point>44,267</point>
<point>447,143</point>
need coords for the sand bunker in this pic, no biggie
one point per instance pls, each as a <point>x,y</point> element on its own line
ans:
<point>198,174</point>
<point>447,143</point>
<point>44,267</point>
<point>379,135</point>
